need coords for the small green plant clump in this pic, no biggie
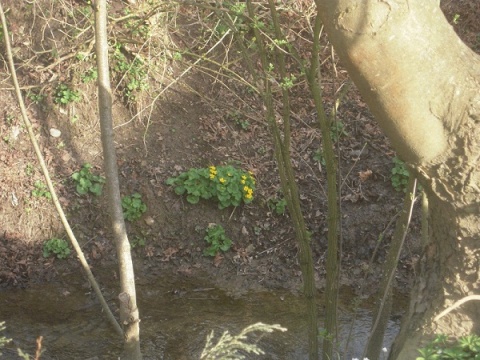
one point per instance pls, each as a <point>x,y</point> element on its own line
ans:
<point>35,97</point>
<point>90,75</point>
<point>226,184</point>
<point>87,182</point>
<point>41,190</point>
<point>237,118</point>
<point>236,11</point>
<point>57,247</point>
<point>277,205</point>
<point>65,95</point>
<point>133,207</point>
<point>319,157</point>
<point>133,73</point>
<point>337,130</point>
<point>400,175</point>
<point>138,241</point>
<point>217,239</point>
<point>466,347</point>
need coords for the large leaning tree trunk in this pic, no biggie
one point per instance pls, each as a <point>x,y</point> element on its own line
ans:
<point>422,83</point>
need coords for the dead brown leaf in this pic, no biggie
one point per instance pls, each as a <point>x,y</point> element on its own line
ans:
<point>168,253</point>
<point>365,175</point>
<point>149,251</point>
<point>217,260</point>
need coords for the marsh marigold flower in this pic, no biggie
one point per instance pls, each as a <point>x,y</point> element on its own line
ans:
<point>213,172</point>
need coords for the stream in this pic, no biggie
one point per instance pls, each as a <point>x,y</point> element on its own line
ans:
<point>177,314</point>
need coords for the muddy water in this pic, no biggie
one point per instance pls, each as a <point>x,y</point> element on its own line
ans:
<point>177,315</point>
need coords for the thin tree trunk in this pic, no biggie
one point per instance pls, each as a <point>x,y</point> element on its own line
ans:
<point>287,177</point>
<point>384,301</point>
<point>333,216</point>
<point>129,314</point>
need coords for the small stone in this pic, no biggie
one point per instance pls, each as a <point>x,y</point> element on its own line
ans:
<point>149,221</point>
<point>244,231</point>
<point>55,132</point>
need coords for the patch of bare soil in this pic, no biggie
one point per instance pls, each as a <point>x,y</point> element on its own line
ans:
<point>198,125</point>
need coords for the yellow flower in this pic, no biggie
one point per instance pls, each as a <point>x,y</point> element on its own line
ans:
<point>229,174</point>
<point>212,176</point>
<point>242,182</point>
<point>246,188</point>
<point>222,180</point>
<point>244,177</point>
<point>248,196</point>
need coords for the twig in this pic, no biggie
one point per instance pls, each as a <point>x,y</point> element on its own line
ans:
<point>456,305</point>
<point>38,352</point>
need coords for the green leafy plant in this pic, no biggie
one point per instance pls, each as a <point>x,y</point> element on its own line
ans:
<point>89,75</point>
<point>217,240</point>
<point>235,14</point>
<point>9,119</point>
<point>138,28</point>
<point>277,205</point>
<point>41,190</point>
<point>226,184</point>
<point>466,347</point>
<point>456,19</point>
<point>318,157</point>
<point>88,182</point>
<point>35,97</point>
<point>57,247</point>
<point>133,73</point>
<point>244,124</point>
<point>337,130</point>
<point>29,169</point>
<point>65,95</point>
<point>133,207</point>
<point>400,175</point>
<point>138,241</point>
<point>177,56</point>
<point>288,82</point>
<point>236,117</point>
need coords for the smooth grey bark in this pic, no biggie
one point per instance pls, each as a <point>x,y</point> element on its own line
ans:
<point>422,83</point>
<point>129,315</point>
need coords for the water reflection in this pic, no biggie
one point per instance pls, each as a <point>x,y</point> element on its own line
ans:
<point>177,315</point>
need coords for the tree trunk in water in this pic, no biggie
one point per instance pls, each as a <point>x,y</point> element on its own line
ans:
<point>422,83</point>
<point>129,315</point>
